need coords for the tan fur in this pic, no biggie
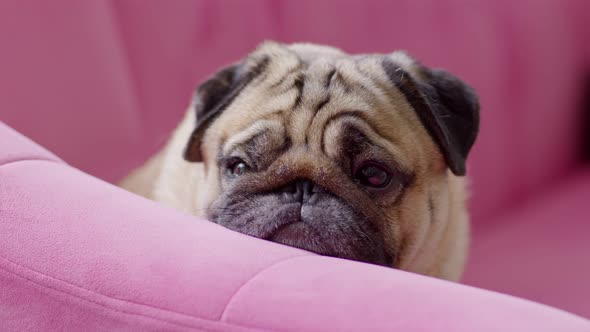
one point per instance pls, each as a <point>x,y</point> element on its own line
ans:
<point>436,248</point>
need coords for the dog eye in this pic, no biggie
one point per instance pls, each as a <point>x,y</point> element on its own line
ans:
<point>373,175</point>
<point>236,167</point>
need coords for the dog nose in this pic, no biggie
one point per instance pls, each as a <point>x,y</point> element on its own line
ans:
<point>300,190</point>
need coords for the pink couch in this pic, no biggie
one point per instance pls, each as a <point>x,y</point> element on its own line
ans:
<point>101,84</point>
<point>78,254</point>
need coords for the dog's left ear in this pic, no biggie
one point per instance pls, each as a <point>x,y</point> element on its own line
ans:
<point>447,107</point>
<point>215,95</point>
<point>454,117</point>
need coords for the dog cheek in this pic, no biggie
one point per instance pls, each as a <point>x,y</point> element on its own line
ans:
<point>414,228</point>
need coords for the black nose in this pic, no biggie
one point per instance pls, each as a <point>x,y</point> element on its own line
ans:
<point>300,190</point>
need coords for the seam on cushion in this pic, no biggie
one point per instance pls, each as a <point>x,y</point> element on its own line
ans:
<point>14,161</point>
<point>109,307</point>
<point>258,274</point>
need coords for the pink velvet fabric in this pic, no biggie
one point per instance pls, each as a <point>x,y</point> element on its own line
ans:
<point>102,83</point>
<point>80,254</point>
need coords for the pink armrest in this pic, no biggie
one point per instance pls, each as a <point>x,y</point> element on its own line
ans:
<point>79,254</point>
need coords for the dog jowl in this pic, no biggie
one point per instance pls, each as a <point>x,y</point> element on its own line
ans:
<point>360,157</point>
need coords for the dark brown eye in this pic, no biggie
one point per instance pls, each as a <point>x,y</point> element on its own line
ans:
<point>237,167</point>
<point>373,175</point>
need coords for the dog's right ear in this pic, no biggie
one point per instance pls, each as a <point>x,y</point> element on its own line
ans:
<point>214,96</point>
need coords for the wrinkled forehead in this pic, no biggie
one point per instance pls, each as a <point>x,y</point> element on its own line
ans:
<point>309,76</point>
<point>310,93</point>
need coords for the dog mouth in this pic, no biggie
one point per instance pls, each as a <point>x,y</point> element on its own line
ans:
<point>308,229</point>
<point>326,226</point>
<point>291,228</point>
<point>301,235</point>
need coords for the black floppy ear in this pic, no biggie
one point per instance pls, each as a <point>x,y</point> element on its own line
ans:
<point>447,107</point>
<point>214,96</point>
<point>455,116</point>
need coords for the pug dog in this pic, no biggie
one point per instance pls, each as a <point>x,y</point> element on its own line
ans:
<point>360,157</point>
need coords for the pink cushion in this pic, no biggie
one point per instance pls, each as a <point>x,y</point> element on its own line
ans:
<point>15,147</point>
<point>540,251</point>
<point>80,254</point>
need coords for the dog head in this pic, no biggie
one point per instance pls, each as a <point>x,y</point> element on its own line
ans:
<point>346,156</point>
